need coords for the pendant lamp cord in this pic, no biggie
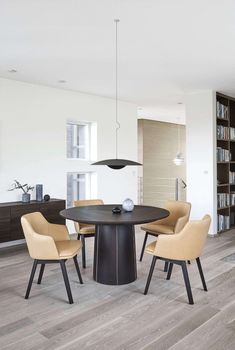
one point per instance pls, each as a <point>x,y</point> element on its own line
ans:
<point>178,132</point>
<point>117,122</point>
<point>178,138</point>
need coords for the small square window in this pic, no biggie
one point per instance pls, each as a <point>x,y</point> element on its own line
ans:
<point>78,140</point>
<point>80,186</point>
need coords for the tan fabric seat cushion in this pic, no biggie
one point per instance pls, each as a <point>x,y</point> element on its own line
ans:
<point>87,229</point>
<point>151,247</point>
<point>158,229</point>
<point>68,249</point>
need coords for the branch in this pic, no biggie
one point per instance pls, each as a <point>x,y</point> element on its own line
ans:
<point>17,185</point>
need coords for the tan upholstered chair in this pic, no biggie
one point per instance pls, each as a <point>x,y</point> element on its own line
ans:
<point>49,243</point>
<point>179,216</point>
<point>177,249</point>
<point>85,230</point>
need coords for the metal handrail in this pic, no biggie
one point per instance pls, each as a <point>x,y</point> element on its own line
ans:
<point>177,184</point>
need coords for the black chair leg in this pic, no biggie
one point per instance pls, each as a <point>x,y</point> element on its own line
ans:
<point>166,266</point>
<point>143,247</point>
<point>83,251</point>
<point>41,273</point>
<point>169,271</point>
<point>150,274</point>
<point>187,282</point>
<point>201,273</point>
<point>77,268</point>
<point>66,281</point>
<point>31,278</point>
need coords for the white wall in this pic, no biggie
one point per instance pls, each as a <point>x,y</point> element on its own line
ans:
<point>200,151</point>
<point>33,140</point>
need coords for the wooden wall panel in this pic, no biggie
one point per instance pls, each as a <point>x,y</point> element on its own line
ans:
<point>158,146</point>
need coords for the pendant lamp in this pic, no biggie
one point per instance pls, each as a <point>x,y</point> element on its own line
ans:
<point>179,159</point>
<point>116,163</point>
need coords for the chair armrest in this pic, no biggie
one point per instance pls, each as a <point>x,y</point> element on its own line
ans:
<point>172,247</point>
<point>41,247</point>
<point>187,244</point>
<point>180,223</point>
<point>180,246</point>
<point>58,232</point>
<point>161,221</point>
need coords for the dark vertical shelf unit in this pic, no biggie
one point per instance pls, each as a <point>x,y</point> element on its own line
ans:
<point>225,153</point>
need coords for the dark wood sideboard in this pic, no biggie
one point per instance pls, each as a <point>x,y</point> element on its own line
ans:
<point>11,212</point>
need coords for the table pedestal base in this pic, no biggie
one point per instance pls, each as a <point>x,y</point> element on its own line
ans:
<point>114,254</point>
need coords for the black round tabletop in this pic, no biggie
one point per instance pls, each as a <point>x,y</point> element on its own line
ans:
<point>102,214</point>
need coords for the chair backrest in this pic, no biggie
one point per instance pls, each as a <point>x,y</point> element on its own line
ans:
<point>194,236</point>
<point>82,203</point>
<point>38,222</point>
<point>40,245</point>
<point>186,245</point>
<point>178,209</point>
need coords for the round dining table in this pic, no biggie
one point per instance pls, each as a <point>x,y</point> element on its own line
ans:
<point>115,251</point>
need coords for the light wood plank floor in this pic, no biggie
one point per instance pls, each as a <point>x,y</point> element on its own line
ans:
<point>119,317</point>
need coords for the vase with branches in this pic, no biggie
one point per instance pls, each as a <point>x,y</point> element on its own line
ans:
<point>25,188</point>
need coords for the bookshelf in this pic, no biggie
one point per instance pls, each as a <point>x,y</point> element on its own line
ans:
<point>225,156</point>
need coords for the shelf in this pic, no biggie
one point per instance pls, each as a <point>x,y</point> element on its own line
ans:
<point>226,106</point>
<point>227,229</point>
<point>224,119</point>
<point>227,140</point>
<point>230,206</point>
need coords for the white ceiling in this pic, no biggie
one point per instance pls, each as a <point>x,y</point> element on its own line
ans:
<point>167,48</point>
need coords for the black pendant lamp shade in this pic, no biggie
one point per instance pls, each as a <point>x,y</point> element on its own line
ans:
<point>116,163</point>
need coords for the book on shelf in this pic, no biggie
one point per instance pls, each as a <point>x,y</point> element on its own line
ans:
<point>223,155</point>
<point>232,178</point>
<point>232,218</point>
<point>232,198</point>
<point>223,132</point>
<point>232,134</point>
<point>223,222</point>
<point>223,200</point>
<point>221,110</point>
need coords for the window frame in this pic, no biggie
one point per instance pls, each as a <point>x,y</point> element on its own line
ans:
<point>90,186</point>
<point>87,143</point>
